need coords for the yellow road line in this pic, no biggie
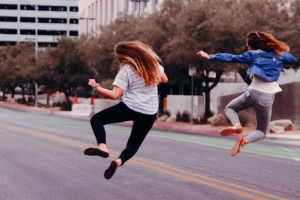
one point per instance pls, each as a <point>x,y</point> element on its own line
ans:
<point>207,183</point>
<point>207,178</point>
<point>159,167</point>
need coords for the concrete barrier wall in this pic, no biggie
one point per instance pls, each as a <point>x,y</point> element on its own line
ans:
<point>180,103</point>
<point>286,104</point>
<point>100,104</point>
<point>224,89</point>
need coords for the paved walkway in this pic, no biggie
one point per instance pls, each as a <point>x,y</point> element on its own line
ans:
<point>175,126</point>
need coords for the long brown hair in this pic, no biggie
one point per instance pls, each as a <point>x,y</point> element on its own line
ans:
<point>266,42</point>
<point>141,59</point>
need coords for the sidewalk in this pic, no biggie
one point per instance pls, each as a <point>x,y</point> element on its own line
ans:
<point>174,126</point>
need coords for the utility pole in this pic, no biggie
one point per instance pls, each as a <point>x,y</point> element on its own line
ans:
<point>192,73</point>
<point>36,54</point>
<point>36,48</point>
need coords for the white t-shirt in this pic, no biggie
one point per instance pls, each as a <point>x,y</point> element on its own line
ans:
<point>136,95</point>
<point>264,86</point>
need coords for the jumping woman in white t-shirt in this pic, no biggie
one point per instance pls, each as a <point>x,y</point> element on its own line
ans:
<point>137,80</point>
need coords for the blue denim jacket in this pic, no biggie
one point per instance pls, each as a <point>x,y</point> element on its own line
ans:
<point>266,65</point>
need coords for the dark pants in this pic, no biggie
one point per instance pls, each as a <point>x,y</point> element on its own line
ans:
<point>142,124</point>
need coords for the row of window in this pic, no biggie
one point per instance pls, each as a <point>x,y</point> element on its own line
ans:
<point>41,8</point>
<point>40,32</point>
<point>40,20</point>
<point>40,44</point>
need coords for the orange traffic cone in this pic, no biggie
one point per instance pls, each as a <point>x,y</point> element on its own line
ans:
<point>92,99</point>
<point>75,99</point>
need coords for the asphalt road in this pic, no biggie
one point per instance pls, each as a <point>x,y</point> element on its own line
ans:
<point>42,158</point>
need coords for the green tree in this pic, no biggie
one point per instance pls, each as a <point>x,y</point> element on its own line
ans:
<point>63,68</point>
<point>18,62</point>
<point>3,71</point>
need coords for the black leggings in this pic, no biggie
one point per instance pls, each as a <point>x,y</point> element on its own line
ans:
<point>142,124</point>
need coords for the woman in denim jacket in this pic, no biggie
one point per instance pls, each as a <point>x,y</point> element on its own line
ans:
<point>265,58</point>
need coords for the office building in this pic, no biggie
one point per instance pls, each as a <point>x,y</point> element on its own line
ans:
<point>41,20</point>
<point>94,13</point>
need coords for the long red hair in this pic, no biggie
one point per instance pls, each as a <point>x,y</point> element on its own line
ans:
<point>141,59</point>
<point>266,42</point>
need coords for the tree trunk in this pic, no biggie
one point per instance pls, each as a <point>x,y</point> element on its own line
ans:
<point>69,103</point>
<point>23,94</point>
<point>3,95</point>
<point>163,89</point>
<point>13,92</point>
<point>207,89</point>
<point>48,97</point>
<point>207,112</point>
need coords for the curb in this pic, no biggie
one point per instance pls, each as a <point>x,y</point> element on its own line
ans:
<point>195,130</point>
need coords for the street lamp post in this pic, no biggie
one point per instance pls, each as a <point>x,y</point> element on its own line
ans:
<point>192,73</point>
<point>36,55</point>
<point>139,1</point>
<point>36,47</point>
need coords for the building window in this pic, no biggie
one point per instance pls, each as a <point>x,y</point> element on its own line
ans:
<point>8,6</point>
<point>73,21</point>
<point>28,19</point>
<point>52,8</point>
<point>118,6</point>
<point>27,32</point>
<point>53,20</point>
<point>106,11</point>
<point>136,6</point>
<point>8,19</point>
<point>73,33</point>
<point>51,32</point>
<point>73,9</point>
<point>126,6</point>
<point>96,13</point>
<point>8,31</point>
<point>27,7</point>
<point>112,9</point>
<point>4,43</point>
<point>93,14</point>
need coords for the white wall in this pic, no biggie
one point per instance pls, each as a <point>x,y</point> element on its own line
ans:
<point>180,103</point>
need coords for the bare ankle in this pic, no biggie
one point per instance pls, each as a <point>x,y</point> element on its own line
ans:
<point>119,161</point>
<point>237,125</point>
<point>103,147</point>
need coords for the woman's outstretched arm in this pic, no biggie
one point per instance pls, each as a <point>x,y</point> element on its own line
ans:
<point>226,57</point>
<point>115,93</point>
<point>203,54</point>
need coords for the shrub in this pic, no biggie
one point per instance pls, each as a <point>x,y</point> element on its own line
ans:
<point>3,99</point>
<point>21,101</point>
<point>186,116</point>
<point>198,120</point>
<point>220,120</point>
<point>166,112</point>
<point>64,105</point>
<point>246,118</point>
<point>178,117</point>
